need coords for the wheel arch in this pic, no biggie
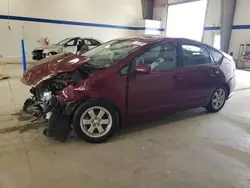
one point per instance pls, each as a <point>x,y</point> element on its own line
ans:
<point>107,102</point>
<point>226,85</point>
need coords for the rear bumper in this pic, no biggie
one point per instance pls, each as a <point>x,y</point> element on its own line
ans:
<point>231,84</point>
<point>230,95</point>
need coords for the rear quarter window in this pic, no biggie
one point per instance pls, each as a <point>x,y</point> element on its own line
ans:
<point>216,55</point>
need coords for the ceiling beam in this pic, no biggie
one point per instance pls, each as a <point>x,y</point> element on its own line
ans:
<point>176,2</point>
<point>227,17</point>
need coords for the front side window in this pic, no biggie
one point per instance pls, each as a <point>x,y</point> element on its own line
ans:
<point>160,57</point>
<point>125,70</point>
<point>72,42</point>
<point>63,42</point>
<point>195,55</point>
<point>108,54</point>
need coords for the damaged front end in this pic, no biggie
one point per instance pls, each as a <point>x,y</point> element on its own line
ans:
<point>46,102</point>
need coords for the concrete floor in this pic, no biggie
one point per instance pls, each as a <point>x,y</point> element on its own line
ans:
<point>190,149</point>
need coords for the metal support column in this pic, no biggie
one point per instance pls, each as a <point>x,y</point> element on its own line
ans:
<point>227,18</point>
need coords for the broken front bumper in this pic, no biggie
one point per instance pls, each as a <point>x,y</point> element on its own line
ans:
<point>59,126</point>
<point>59,121</point>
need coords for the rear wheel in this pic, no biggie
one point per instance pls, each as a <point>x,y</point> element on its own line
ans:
<point>217,100</point>
<point>95,121</point>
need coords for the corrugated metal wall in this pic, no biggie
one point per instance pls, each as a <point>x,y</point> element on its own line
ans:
<point>147,9</point>
<point>149,5</point>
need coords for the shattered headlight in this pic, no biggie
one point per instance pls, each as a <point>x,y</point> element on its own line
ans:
<point>46,96</point>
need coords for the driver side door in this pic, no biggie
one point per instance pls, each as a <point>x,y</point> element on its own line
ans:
<point>156,91</point>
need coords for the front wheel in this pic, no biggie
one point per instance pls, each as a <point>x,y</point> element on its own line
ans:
<point>95,121</point>
<point>217,100</point>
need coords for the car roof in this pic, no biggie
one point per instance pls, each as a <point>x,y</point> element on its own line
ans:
<point>142,38</point>
<point>156,39</point>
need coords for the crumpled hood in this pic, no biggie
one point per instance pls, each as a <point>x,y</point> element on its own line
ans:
<point>52,66</point>
<point>45,47</point>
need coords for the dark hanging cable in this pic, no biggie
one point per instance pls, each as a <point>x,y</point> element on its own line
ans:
<point>9,15</point>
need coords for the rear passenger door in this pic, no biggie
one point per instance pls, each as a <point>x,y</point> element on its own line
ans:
<point>199,73</point>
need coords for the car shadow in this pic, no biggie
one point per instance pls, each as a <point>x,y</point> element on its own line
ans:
<point>149,123</point>
<point>162,120</point>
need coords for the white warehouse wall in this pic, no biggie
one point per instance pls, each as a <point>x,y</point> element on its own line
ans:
<point>241,28</point>
<point>212,20</point>
<point>122,13</point>
<point>241,25</point>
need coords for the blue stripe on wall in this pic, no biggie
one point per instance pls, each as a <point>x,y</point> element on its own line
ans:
<point>234,27</point>
<point>241,27</point>
<point>211,28</point>
<point>43,20</point>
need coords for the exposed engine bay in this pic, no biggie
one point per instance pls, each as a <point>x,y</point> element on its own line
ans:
<point>44,102</point>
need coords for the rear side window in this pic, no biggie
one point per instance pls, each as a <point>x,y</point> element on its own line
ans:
<point>195,55</point>
<point>92,42</point>
<point>87,42</point>
<point>217,56</point>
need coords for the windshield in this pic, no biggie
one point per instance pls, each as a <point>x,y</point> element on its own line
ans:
<point>111,52</point>
<point>63,41</point>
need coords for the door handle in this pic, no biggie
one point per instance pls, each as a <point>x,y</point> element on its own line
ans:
<point>214,72</point>
<point>177,78</point>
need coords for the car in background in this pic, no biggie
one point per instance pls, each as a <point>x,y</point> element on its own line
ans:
<point>74,45</point>
<point>125,79</point>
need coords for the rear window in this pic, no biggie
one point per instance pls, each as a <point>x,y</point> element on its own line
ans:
<point>216,55</point>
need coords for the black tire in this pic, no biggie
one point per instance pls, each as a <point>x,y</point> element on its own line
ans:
<point>83,108</point>
<point>210,107</point>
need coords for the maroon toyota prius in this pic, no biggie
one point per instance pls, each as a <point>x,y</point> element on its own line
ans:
<point>95,92</point>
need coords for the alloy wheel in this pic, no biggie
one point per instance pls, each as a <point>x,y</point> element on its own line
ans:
<point>96,122</point>
<point>219,98</point>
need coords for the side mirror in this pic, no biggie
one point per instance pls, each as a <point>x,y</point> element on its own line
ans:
<point>143,69</point>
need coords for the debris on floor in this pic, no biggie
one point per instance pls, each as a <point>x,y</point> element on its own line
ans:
<point>21,128</point>
<point>3,77</point>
